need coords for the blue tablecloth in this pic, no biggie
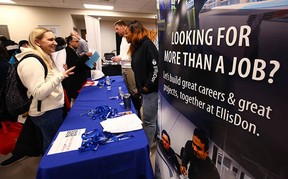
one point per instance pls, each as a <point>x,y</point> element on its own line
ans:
<point>125,159</point>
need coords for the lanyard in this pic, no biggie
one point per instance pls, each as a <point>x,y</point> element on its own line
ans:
<point>101,113</point>
<point>91,140</point>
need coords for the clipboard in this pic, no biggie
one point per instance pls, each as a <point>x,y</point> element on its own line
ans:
<point>92,60</point>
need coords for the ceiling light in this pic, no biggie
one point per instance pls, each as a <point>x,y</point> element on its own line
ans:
<point>93,6</point>
<point>7,1</point>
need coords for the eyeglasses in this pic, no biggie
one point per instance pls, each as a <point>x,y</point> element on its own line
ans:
<point>75,41</point>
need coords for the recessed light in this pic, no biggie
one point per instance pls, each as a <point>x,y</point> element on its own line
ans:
<point>7,1</point>
<point>93,6</point>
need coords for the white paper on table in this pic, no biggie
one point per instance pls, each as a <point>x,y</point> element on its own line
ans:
<point>120,124</point>
<point>67,141</point>
<point>96,74</point>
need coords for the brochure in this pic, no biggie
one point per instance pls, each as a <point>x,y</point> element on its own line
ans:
<point>93,59</point>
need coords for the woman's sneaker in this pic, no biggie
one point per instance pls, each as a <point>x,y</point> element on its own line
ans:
<point>13,159</point>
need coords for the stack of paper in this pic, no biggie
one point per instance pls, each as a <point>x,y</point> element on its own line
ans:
<point>124,123</point>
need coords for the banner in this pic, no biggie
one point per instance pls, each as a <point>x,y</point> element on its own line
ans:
<point>224,70</point>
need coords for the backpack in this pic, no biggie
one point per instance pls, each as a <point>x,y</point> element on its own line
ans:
<point>16,99</point>
<point>12,60</point>
<point>3,72</point>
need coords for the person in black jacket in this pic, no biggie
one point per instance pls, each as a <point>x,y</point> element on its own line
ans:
<point>10,45</point>
<point>196,153</point>
<point>4,67</point>
<point>144,63</point>
<point>73,84</point>
<point>169,153</point>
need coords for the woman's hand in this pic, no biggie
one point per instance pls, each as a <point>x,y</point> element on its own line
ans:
<point>145,90</point>
<point>65,66</point>
<point>68,72</point>
<point>183,170</point>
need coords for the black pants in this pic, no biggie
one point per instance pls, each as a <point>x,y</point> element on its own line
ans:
<point>30,141</point>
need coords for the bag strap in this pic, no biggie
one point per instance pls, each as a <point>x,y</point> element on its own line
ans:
<point>39,59</point>
<point>46,72</point>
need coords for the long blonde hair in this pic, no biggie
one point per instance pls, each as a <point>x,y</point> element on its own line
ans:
<point>38,33</point>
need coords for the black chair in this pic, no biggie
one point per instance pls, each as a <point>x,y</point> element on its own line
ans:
<point>112,70</point>
<point>108,56</point>
<point>109,68</point>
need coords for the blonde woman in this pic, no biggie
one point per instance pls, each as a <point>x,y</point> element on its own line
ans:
<point>48,90</point>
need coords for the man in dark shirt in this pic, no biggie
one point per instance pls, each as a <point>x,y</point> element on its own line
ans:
<point>196,153</point>
<point>168,152</point>
<point>74,84</point>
